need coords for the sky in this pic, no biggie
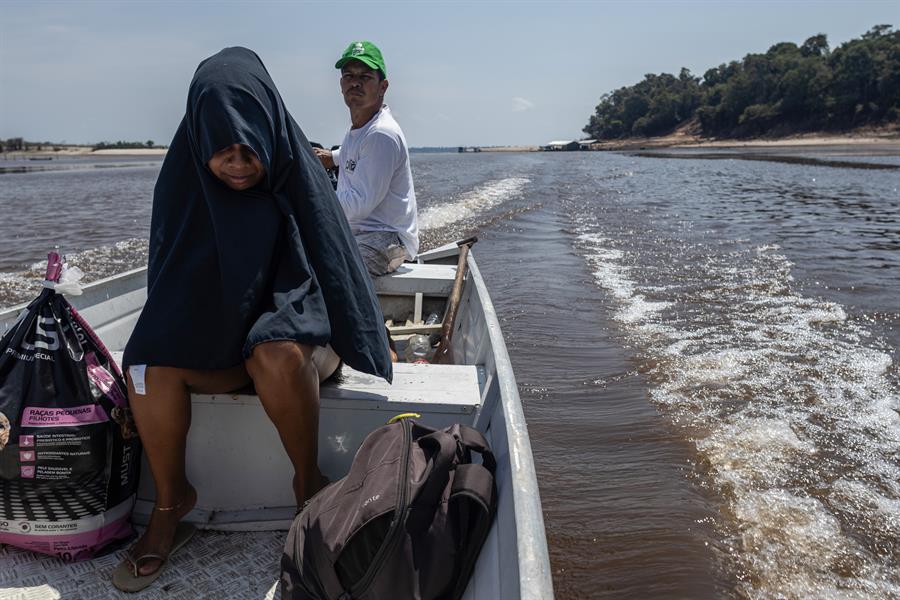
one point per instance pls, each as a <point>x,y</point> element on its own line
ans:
<point>460,73</point>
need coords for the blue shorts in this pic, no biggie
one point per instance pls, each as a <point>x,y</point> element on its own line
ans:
<point>382,251</point>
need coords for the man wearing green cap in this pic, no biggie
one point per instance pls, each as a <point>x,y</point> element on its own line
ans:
<point>375,186</point>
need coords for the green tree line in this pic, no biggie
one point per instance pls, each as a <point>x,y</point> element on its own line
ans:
<point>122,144</point>
<point>788,89</point>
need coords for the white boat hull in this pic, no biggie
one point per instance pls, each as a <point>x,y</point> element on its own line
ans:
<point>235,457</point>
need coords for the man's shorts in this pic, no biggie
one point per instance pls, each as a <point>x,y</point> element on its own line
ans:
<point>382,251</point>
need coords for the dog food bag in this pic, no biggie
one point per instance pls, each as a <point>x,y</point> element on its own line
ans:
<point>69,453</point>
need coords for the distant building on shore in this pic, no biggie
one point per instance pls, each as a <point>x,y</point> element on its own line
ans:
<point>569,145</point>
<point>560,145</point>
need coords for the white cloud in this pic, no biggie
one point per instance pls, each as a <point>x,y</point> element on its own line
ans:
<point>520,104</point>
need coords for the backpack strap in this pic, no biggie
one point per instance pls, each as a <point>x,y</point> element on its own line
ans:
<point>473,439</point>
<point>472,495</point>
<point>474,482</point>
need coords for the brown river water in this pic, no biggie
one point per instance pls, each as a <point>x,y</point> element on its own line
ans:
<point>706,348</point>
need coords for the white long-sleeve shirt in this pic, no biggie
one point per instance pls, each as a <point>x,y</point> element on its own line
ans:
<point>375,186</point>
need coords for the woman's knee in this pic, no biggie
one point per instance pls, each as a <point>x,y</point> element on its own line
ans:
<point>274,359</point>
<point>152,380</point>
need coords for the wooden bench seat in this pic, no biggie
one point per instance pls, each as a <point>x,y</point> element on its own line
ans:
<point>446,388</point>
<point>412,278</point>
<point>237,430</point>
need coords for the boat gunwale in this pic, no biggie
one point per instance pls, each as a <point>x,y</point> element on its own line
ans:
<point>535,580</point>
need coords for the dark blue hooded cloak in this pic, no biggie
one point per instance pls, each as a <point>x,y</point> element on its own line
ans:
<point>231,269</point>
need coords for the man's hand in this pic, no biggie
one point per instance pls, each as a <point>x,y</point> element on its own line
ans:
<point>325,157</point>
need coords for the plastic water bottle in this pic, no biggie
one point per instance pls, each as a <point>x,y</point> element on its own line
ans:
<point>418,349</point>
<point>433,319</point>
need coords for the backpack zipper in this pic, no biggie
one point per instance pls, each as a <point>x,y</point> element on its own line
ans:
<point>400,511</point>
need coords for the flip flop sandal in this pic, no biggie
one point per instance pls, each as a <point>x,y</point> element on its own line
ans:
<point>127,577</point>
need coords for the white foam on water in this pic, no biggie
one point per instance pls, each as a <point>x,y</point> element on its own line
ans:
<point>798,549</point>
<point>479,200</point>
<point>13,279</point>
<point>640,309</point>
<point>871,503</point>
<point>16,288</point>
<point>96,263</point>
<point>790,403</point>
<point>719,367</point>
<point>612,275</point>
<point>745,449</point>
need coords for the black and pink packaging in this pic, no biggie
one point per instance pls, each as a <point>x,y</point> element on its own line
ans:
<point>69,453</point>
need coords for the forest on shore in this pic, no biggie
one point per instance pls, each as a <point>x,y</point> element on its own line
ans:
<point>789,89</point>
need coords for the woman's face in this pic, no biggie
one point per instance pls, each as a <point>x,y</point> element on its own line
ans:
<point>4,431</point>
<point>237,166</point>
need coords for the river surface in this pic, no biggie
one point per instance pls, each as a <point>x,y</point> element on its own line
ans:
<point>706,347</point>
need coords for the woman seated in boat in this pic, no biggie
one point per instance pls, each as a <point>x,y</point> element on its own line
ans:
<point>253,277</point>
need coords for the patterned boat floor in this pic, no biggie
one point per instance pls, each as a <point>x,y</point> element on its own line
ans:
<point>213,565</point>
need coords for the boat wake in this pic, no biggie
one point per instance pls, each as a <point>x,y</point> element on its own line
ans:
<point>790,405</point>
<point>96,263</point>
<point>477,201</point>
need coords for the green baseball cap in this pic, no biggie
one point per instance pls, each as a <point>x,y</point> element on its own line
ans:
<point>365,52</point>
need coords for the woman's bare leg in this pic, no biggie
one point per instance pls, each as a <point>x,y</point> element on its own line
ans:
<point>163,417</point>
<point>287,381</point>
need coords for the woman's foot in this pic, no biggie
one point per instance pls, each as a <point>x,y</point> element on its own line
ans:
<point>304,489</point>
<point>160,532</point>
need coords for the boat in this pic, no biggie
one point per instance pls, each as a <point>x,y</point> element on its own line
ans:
<point>242,474</point>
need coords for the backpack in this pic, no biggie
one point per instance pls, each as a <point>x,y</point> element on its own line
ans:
<point>407,521</point>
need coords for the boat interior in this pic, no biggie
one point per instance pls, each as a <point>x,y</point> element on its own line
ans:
<point>235,458</point>
<point>232,435</point>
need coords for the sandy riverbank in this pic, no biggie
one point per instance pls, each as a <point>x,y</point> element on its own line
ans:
<point>76,151</point>
<point>881,139</point>
<point>884,137</point>
<point>130,152</point>
<point>510,148</point>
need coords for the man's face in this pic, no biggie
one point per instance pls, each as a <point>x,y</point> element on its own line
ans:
<point>361,87</point>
